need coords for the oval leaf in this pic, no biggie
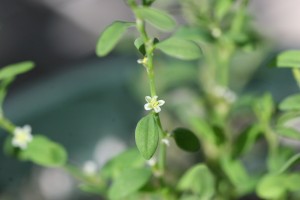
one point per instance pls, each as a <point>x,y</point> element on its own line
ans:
<point>290,103</point>
<point>288,59</point>
<point>198,180</point>
<point>43,151</point>
<point>15,69</point>
<point>157,18</point>
<point>186,140</point>
<point>129,182</point>
<point>147,136</point>
<point>179,48</point>
<point>111,36</point>
<point>271,187</point>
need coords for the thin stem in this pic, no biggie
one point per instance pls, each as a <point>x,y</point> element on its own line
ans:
<point>296,73</point>
<point>7,125</point>
<point>149,47</point>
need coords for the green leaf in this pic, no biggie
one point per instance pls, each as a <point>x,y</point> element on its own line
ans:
<point>147,135</point>
<point>129,182</point>
<point>288,59</point>
<point>264,107</point>
<point>290,103</point>
<point>186,140</point>
<point>111,36</point>
<point>179,48</point>
<point>157,18</point>
<point>290,162</point>
<point>194,34</point>
<point>271,187</point>
<point>246,140</point>
<point>128,159</point>
<point>222,7</point>
<point>199,180</point>
<point>288,132</point>
<point>140,46</point>
<point>148,2</point>
<point>15,69</point>
<point>292,182</point>
<point>92,189</point>
<point>45,152</point>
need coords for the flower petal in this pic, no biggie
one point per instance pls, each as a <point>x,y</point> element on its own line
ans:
<point>154,98</point>
<point>148,99</point>
<point>147,106</point>
<point>161,102</point>
<point>157,109</point>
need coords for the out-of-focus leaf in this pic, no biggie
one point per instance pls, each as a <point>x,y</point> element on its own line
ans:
<point>199,180</point>
<point>246,140</point>
<point>186,140</point>
<point>179,48</point>
<point>129,182</point>
<point>288,132</point>
<point>130,158</point>
<point>290,162</point>
<point>290,59</point>
<point>271,187</point>
<point>45,152</point>
<point>111,36</point>
<point>264,107</point>
<point>15,69</point>
<point>147,135</point>
<point>290,103</point>
<point>157,18</point>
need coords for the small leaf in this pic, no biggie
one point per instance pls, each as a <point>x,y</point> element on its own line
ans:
<point>140,46</point>
<point>292,182</point>
<point>186,140</point>
<point>277,160</point>
<point>290,103</point>
<point>264,107</point>
<point>128,182</point>
<point>222,7</point>
<point>15,69</point>
<point>288,132</point>
<point>179,48</point>
<point>289,58</point>
<point>157,18</point>
<point>92,189</point>
<point>45,152</point>
<point>271,187</point>
<point>111,36</point>
<point>246,140</point>
<point>147,136</point>
<point>128,159</point>
<point>199,180</point>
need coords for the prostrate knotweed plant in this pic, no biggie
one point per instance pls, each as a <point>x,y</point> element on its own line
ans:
<point>222,137</point>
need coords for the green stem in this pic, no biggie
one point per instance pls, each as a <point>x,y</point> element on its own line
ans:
<point>149,47</point>
<point>296,73</point>
<point>7,125</point>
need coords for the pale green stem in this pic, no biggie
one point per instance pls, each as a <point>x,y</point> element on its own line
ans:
<point>150,72</point>
<point>7,125</point>
<point>296,73</point>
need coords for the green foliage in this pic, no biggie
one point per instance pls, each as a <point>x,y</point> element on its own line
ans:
<point>111,36</point>
<point>199,180</point>
<point>130,181</point>
<point>186,140</point>
<point>290,59</point>
<point>179,48</point>
<point>15,69</point>
<point>147,135</point>
<point>157,18</point>
<point>45,152</point>
<point>290,103</point>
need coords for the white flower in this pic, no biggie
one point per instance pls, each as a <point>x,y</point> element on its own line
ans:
<point>143,61</point>
<point>152,103</point>
<point>152,162</point>
<point>90,168</point>
<point>22,137</point>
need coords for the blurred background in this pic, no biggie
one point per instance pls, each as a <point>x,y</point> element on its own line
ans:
<point>86,103</point>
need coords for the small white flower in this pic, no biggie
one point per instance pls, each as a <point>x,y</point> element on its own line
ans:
<point>90,168</point>
<point>166,142</point>
<point>22,137</point>
<point>143,61</point>
<point>152,103</point>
